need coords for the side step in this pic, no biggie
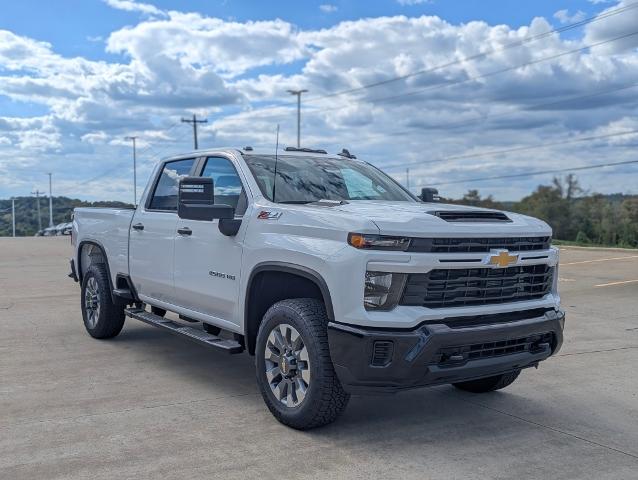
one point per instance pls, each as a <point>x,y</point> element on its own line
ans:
<point>194,334</point>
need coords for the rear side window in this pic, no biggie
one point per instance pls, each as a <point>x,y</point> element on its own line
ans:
<point>167,189</point>
<point>228,186</point>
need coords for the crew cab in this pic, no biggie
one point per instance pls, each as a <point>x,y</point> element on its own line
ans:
<point>336,278</point>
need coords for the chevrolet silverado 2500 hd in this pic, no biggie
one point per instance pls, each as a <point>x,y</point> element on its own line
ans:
<point>336,278</point>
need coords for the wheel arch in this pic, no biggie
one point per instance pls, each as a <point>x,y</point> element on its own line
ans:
<point>308,283</point>
<point>93,245</point>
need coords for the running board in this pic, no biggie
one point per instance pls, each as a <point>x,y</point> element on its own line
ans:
<point>194,334</point>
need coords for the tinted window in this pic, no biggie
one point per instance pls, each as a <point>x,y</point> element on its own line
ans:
<point>228,186</point>
<point>167,189</point>
<point>308,179</point>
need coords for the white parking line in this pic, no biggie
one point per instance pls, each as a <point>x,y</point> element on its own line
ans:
<point>616,283</point>
<point>599,260</point>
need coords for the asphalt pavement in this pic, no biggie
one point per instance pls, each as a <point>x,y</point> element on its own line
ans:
<point>149,405</point>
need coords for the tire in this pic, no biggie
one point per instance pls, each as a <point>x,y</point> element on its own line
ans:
<point>489,384</point>
<point>317,397</point>
<point>102,318</point>
<point>212,329</point>
<point>160,312</point>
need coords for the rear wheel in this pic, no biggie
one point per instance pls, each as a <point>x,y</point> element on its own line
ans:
<point>488,384</point>
<point>294,369</point>
<point>102,318</point>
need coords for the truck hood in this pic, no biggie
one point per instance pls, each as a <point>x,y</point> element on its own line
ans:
<point>413,219</point>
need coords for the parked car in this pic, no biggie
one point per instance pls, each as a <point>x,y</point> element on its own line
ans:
<point>336,278</point>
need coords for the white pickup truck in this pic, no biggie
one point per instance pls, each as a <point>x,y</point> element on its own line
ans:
<point>334,276</point>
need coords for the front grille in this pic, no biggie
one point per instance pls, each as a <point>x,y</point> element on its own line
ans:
<point>478,245</point>
<point>462,353</point>
<point>477,286</point>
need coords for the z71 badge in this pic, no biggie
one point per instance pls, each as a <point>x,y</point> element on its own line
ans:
<point>267,215</point>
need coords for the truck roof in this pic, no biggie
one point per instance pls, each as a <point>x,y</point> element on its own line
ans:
<point>253,151</point>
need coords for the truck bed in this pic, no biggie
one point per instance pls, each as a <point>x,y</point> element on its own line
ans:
<point>109,228</point>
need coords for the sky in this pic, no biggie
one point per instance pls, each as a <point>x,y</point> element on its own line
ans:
<point>456,91</point>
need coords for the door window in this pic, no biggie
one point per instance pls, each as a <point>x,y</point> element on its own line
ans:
<point>227,184</point>
<point>167,189</point>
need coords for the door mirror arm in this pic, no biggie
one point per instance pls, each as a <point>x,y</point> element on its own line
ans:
<point>229,226</point>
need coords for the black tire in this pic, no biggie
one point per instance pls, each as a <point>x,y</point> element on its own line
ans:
<point>160,312</point>
<point>489,384</point>
<point>212,329</point>
<point>107,319</point>
<point>325,399</point>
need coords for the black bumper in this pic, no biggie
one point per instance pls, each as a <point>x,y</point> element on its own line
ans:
<point>385,361</point>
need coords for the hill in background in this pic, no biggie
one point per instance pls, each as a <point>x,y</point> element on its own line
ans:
<point>27,212</point>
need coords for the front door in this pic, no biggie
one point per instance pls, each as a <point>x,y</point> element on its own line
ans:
<point>208,263</point>
<point>152,239</point>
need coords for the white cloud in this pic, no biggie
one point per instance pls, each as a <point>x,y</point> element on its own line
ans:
<point>328,8</point>
<point>184,62</point>
<point>133,6</point>
<point>613,27</point>
<point>563,16</point>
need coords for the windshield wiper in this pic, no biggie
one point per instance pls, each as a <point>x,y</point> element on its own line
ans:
<point>297,202</point>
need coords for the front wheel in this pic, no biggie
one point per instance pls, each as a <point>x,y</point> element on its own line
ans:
<point>488,384</point>
<point>294,369</point>
<point>102,318</point>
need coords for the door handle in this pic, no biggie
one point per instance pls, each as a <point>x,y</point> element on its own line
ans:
<point>184,231</point>
<point>138,226</point>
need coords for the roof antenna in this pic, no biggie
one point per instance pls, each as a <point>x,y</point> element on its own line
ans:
<point>274,181</point>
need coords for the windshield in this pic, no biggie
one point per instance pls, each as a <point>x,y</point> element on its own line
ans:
<point>310,179</point>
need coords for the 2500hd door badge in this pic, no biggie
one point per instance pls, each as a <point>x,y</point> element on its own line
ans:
<point>221,275</point>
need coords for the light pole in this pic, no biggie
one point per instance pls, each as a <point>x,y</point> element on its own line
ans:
<point>50,201</point>
<point>298,93</point>
<point>13,215</point>
<point>134,139</point>
<point>37,198</point>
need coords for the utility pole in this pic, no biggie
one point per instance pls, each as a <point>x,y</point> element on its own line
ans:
<point>50,202</point>
<point>37,194</point>
<point>13,215</point>
<point>407,178</point>
<point>298,93</point>
<point>134,139</point>
<point>194,121</point>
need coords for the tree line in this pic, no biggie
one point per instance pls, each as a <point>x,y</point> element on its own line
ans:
<point>27,213</point>
<point>574,215</point>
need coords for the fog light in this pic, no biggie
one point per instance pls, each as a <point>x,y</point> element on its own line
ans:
<point>383,290</point>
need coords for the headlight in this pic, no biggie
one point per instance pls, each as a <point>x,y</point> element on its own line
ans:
<point>378,242</point>
<point>383,290</point>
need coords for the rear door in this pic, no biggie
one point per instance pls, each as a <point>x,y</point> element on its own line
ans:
<point>152,239</point>
<point>208,263</point>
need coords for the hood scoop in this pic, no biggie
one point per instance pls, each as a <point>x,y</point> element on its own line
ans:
<point>471,216</point>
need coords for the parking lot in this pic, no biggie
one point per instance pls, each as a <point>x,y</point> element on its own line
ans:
<point>149,405</point>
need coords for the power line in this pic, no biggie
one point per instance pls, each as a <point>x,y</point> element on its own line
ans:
<point>540,172</point>
<point>514,149</point>
<point>482,76</point>
<point>477,56</point>
<point>486,54</point>
<point>528,108</point>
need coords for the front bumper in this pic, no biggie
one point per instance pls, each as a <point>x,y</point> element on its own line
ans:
<point>385,361</point>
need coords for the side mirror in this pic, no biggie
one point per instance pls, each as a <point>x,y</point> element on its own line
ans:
<point>196,200</point>
<point>429,195</point>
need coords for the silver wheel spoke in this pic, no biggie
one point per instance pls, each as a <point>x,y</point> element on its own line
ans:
<point>287,365</point>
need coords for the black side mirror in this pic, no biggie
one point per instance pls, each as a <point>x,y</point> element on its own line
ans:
<point>429,195</point>
<point>196,200</point>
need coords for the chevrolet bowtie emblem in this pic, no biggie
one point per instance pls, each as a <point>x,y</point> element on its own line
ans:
<point>502,259</point>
